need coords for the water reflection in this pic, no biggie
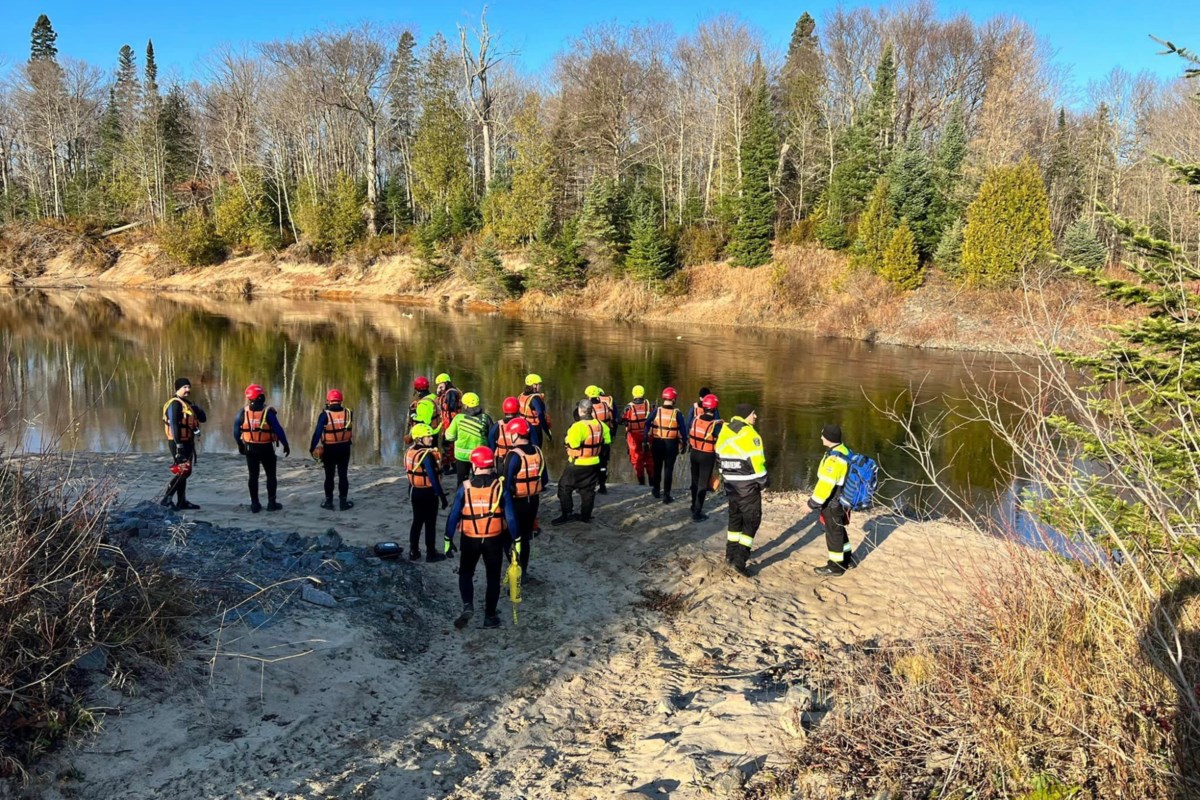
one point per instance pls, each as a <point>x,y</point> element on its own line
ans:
<point>91,371</point>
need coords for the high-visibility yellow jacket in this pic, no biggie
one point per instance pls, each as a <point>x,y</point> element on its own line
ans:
<point>583,442</point>
<point>831,474</point>
<point>740,455</point>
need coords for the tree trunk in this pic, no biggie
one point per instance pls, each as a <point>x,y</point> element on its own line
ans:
<point>372,178</point>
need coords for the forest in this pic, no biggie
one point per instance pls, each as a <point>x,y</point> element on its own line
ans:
<point>911,140</point>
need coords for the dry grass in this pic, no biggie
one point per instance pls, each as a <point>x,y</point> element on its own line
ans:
<point>669,604</point>
<point>64,593</point>
<point>27,248</point>
<point>1044,681</point>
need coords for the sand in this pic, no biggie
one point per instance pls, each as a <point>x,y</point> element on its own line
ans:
<point>590,695</point>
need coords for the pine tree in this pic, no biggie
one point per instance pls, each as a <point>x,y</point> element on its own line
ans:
<point>1008,226</point>
<point>649,257</point>
<point>948,256</point>
<point>151,70</point>
<point>874,229</point>
<point>441,172</point>
<point>949,201</point>
<point>404,103</point>
<point>127,91</point>
<point>800,85</point>
<point>603,230</point>
<point>913,194</point>
<point>1082,248</point>
<point>864,154</point>
<point>1064,177</point>
<point>177,128</point>
<point>901,266</point>
<point>750,245</point>
<point>515,214</point>
<point>43,45</point>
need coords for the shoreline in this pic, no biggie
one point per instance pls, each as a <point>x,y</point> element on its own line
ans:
<point>782,296</point>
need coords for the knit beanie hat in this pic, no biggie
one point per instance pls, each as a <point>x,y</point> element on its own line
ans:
<point>832,433</point>
<point>181,382</point>
<point>743,410</point>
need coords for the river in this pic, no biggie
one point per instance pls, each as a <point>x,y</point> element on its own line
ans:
<point>90,370</point>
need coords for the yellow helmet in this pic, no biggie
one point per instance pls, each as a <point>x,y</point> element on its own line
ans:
<point>592,391</point>
<point>470,400</point>
<point>421,431</point>
<point>443,378</point>
<point>639,392</point>
<point>533,379</point>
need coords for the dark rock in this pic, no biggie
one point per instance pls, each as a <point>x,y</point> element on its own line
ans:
<point>347,559</point>
<point>317,597</point>
<point>330,540</point>
<point>94,660</point>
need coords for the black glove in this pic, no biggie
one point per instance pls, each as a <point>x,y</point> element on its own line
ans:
<point>445,504</point>
<point>241,447</point>
<point>813,504</point>
<point>287,451</point>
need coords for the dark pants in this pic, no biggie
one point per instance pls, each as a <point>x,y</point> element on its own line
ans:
<point>261,455</point>
<point>425,514</point>
<point>702,471</point>
<point>665,451</point>
<point>835,518</point>
<point>462,469</point>
<point>182,453</point>
<point>578,479</point>
<point>745,515</point>
<point>605,455</point>
<point>491,550</point>
<point>535,435</point>
<point>527,511</point>
<point>337,457</point>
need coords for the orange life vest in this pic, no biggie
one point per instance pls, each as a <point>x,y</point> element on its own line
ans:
<point>255,428</point>
<point>665,424</point>
<point>589,447</point>
<point>702,437</point>
<point>603,410</point>
<point>505,441</point>
<point>526,401</point>
<point>482,513</point>
<point>528,480</point>
<point>187,426</point>
<point>414,466</point>
<point>636,414</point>
<point>339,427</point>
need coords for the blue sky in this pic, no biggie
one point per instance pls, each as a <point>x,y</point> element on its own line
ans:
<point>1090,38</point>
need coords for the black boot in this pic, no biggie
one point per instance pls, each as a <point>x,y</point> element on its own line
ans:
<point>655,493</point>
<point>468,611</point>
<point>327,503</point>
<point>740,556</point>
<point>848,561</point>
<point>667,498</point>
<point>491,621</point>
<point>832,569</point>
<point>414,555</point>
<point>561,519</point>
<point>255,506</point>
<point>641,480</point>
<point>346,505</point>
<point>183,505</point>
<point>729,552</point>
<point>273,506</point>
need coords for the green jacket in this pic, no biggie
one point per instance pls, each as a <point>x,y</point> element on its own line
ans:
<point>468,431</point>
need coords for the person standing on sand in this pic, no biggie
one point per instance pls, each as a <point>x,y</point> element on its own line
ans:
<point>533,408</point>
<point>634,417</point>
<point>182,419</point>
<point>602,411</point>
<point>499,439</point>
<point>666,432</point>
<point>524,471</point>
<point>831,477</point>
<point>330,445</point>
<point>423,468</point>
<point>468,430</point>
<point>703,432</point>
<point>449,404</point>
<point>420,392</point>
<point>698,408</point>
<point>743,465</point>
<point>483,511</point>
<point>584,440</point>
<point>257,432</point>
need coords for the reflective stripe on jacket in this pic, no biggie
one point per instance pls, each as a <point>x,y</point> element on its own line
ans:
<point>831,474</point>
<point>482,514</point>
<point>339,426</point>
<point>740,454</point>
<point>702,437</point>
<point>256,429</point>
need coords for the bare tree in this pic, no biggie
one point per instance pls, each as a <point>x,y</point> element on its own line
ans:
<point>477,66</point>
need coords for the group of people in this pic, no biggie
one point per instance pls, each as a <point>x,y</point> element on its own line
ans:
<point>500,468</point>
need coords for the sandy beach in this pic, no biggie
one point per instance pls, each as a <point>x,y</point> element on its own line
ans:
<point>595,692</point>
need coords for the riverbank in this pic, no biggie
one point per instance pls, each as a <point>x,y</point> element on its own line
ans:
<point>639,666</point>
<point>806,289</point>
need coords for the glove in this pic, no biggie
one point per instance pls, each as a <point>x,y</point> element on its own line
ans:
<point>517,547</point>
<point>450,548</point>
<point>813,504</point>
<point>445,504</point>
<point>241,447</point>
<point>287,451</point>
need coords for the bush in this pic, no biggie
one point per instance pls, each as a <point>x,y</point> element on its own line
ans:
<point>948,256</point>
<point>243,216</point>
<point>700,244</point>
<point>901,264</point>
<point>1008,226</point>
<point>874,230</point>
<point>192,240</point>
<point>1081,246</point>
<point>485,269</point>
<point>64,594</point>
<point>333,220</point>
<point>556,265</point>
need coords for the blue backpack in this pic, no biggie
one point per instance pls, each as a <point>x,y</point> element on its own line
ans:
<point>862,478</point>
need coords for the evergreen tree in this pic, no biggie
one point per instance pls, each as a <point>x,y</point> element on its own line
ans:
<point>127,91</point>
<point>1064,177</point>
<point>603,230</point>
<point>948,256</point>
<point>949,201</point>
<point>404,103</point>
<point>750,245</point>
<point>177,127</point>
<point>864,154</point>
<point>441,172</point>
<point>649,257</point>
<point>874,229</point>
<point>901,266</point>
<point>1008,225</point>
<point>1082,248</point>
<point>913,194</point>
<point>557,264</point>
<point>43,45</point>
<point>516,213</point>
<point>801,81</point>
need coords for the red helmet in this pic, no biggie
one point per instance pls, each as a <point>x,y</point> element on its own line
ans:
<point>254,391</point>
<point>669,393</point>
<point>709,402</point>
<point>511,405</point>
<point>483,457</point>
<point>421,384</point>
<point>333,396</point>
<point>517,427</point>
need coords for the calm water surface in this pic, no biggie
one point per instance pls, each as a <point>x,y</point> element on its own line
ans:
<point>91,370</point>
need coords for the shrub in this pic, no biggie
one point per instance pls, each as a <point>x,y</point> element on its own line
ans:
<point>948,256</point>
<point>1008,226</point>
<point>1082,247</point>
<point>486,270</point>
<point>874,230</point>
<point>556,265</point>
<point>700,244</point>
<point>243,216</point>
<point>192,239</point>
<point>901,264</point>
<point>332,220</point>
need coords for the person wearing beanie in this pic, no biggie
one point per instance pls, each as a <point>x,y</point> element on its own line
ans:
<point>831,477</point>
<point>181,420</point>
<point>743,465</point>
<point>697,408</point>
<point>634,418</point>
